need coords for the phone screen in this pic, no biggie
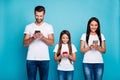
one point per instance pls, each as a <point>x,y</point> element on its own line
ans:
<point>37,31</point>
<point>95,41</point>
<point>65,52</point>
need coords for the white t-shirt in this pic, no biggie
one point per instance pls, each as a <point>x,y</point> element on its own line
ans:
<point>38,50</point>
<point>92,56</point>
<point>65,64</point>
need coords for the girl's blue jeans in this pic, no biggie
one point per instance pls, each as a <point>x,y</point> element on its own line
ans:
<point>65,75</point>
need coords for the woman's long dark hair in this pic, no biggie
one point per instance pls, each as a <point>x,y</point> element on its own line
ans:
<point>60,42</point>
<point>97,31</point>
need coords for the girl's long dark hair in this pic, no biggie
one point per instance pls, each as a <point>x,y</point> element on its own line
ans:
<point>60,43</point>
<point>97,31</point>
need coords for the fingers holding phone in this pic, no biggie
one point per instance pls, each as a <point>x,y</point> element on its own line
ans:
<point>94,44</point>
<point>37,34</point>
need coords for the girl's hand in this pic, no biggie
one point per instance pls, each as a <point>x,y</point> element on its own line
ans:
<point>94,46</point>
<point>91,46</point>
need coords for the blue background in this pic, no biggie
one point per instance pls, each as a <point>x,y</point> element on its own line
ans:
<point>72,15</point>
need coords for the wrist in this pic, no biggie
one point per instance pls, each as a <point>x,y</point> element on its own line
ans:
<point>97,48</point>
<point>42,38</point>
<point>89,47</point>
<point>31,39</point>
<point>60,56</point>
<point>70,56</point>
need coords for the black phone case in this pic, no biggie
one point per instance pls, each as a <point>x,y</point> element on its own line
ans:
<point>37,31</point>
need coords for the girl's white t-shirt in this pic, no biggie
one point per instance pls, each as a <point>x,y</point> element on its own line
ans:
<point>65,64</point>
<point>92,56</point>
<point>38,50</point>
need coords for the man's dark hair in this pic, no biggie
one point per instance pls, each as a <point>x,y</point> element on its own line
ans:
<point>39,9</point>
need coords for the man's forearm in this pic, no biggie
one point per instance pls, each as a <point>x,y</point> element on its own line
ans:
<point>28,41</point>
<point>48,41</point>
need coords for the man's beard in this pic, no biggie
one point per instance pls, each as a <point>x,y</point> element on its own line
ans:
<point>39,21</point>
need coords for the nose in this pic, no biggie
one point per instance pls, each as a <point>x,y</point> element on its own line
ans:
<point>39,17</point>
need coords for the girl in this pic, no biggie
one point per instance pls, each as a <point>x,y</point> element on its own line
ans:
<point>64,54</point>
<point>93,45</point>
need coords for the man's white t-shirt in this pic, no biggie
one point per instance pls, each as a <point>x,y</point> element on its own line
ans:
<point>92,56</point>
<point>38,50</point>
<point>65,64</point>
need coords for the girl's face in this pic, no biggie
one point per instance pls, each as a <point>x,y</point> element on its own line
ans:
<point>65,38</point>
<point>93,26</point>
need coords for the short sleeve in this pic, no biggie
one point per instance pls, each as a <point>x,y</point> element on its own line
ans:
<point>102,36</point>
<point>74,49</point>
<point>27,30</point>
<point>83,37</point>
<point>50,30</point>
<point>56,48</point>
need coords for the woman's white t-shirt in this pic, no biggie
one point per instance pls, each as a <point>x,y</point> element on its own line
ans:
<point>92,56</point>
<point>65,64</point>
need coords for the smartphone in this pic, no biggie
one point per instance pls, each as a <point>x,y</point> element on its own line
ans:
<point>37,31</point>
<point>95,41</point>
<point>65,52</point>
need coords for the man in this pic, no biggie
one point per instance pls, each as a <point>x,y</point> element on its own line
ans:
<point>38,36</point>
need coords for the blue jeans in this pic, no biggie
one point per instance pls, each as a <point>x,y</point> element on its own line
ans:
<point>93,71</point>
<point>65,75</point>
<point>42,66</point>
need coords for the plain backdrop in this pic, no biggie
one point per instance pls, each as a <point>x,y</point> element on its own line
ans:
<point>72,15</point>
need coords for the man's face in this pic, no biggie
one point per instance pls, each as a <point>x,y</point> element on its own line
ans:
<point>39,16</point>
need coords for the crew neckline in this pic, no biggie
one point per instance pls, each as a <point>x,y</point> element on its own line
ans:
<point>39,25</point>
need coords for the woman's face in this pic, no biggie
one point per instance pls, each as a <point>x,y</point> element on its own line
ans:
<point>93,26</point>
<point>65,38</point>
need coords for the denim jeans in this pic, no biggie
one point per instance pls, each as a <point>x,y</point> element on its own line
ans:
<point>93,71</point>
<point>42,66</point>
<point>65,75</point>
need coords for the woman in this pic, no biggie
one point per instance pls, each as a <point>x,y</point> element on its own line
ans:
<point>93,45</point>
